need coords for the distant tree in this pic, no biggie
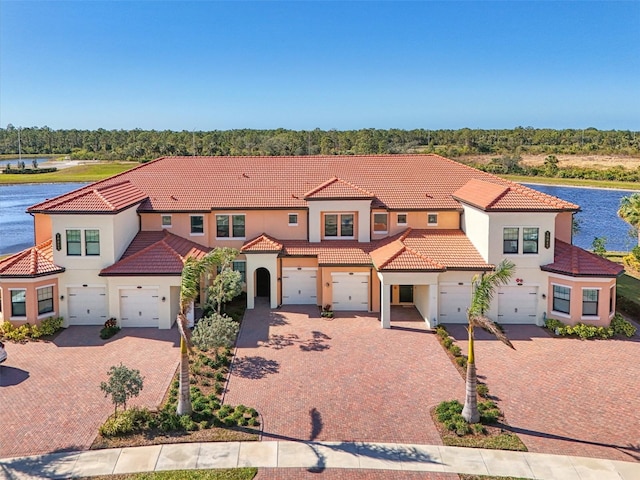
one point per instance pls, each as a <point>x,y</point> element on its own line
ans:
<point>34,162</point>
<point>124,383</point>
<point>629,211</point>
<point>598,246</point>
<point>551,166</point>
<point>227,284</point>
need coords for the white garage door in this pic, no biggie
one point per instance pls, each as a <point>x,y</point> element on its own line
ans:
<point>350,291</point>
<point>139,307</point>
<point>453,304</point>
<point>87,305</point>
<point>299,286</point>
<point>517,304</point>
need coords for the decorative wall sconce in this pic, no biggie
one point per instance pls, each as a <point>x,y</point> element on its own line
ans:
<point>164,299</point>
<point>547,239</point>
<point>61,297</point>
<point>544,295</point>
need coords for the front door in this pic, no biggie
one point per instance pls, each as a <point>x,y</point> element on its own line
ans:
<point>406,293</point>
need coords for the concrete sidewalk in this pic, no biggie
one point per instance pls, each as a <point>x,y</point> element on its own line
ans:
<point>316,456</point>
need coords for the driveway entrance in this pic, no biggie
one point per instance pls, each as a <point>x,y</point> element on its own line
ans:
<point>344,378</point>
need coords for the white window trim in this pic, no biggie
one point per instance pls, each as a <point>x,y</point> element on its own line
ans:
<point>406,216</point>
<point>170,220</point>
<point>589,317</point>
<point>204,228</point>
<point>378,232</point>
<point>83,242</point>
<point>231,237</point>
<point>11,316</point>
<point>522,243</point>
<point>338,237</point>
<point>288,219</point>
<point>555,312</point>
<point>430,224</point>
<point>52,313</point>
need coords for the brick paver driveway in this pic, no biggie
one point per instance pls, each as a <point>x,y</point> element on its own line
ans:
<point>50,398</point>
<point>342,379</point>
<point>565,396</point>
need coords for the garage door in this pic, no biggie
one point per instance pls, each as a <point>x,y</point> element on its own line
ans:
<point>350,291</point>
<point>453,303</point>
<point>299,286</point>
<point>139,307</point>
<point>517,304</point>
<point>87,305</point>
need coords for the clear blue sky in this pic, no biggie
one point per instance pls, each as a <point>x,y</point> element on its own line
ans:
<point>302,65</point>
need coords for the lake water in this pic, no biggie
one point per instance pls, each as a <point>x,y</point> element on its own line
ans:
<point>598,217</point>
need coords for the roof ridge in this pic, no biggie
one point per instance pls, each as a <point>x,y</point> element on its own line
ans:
<point>424,257</point>
<point>393,256</point>
<point>500,196</point>
<point>162,242</point>
<point>321,186</point>
<point>98,192</point>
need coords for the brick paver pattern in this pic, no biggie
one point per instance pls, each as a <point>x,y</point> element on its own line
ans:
<point>341,379</point>
<point>561,395</point>
<point>50,391</point>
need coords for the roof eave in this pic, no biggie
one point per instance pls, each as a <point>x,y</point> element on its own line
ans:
<point>546,268</point>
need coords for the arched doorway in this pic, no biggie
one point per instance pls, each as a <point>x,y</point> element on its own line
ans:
<point>263,282</point>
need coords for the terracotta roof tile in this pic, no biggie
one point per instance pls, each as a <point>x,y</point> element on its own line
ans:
<point>263,243</point>
<point>337,188</point>
<point>332,252</point>
<point>576,262</point>
<point>33,262</point>
<point>156,253</point>
<point>490,196</point>
<point>400,182</point>
<point>99,198</point>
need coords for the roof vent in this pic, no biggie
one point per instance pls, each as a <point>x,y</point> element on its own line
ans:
<point>293,195</point>
<point>173,197</point>
<point>245,175</point>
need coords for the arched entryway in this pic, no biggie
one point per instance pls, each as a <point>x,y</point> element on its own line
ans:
<point>263,283</point>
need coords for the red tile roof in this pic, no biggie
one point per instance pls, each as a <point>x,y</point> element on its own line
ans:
<point>330,252</point>
<point>493,197</point>
<point>576,262</point>
<point>338,189</point>
<point>398,182</point>
<point>99,198</point>
<point>155,253</point>
<point>33,262</point>
<point>262,244</point>
<point>428,250</point>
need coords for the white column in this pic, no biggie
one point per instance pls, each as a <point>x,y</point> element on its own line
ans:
<point>251,284</point>
<point>433,304</point>
<point>385,304</point>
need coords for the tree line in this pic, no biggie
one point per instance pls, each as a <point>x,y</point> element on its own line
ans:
<point>143,145</point>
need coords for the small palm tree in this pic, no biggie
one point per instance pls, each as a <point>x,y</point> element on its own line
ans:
<point>483,288</point>
<point>629,211</point>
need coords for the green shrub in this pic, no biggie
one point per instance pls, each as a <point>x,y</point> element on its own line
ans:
<point>455,350</point>
<point>224,411</point>
<point>478,429</point>
<point>229,421</point>
<point>187,423</point>
<point>169,421</point>
<point>117,425</point>
<point>447,410</point>
<point>253,422</point>
<point>18,334</point>
<point>482,390</point>
<point>447,342</point>
<point>51,325</point>
<point>553,324</point>
<point>462,361</point>
<point>489,412</point>
<point>462,428</point>
<point>108,332</point>
<point>36,332</point>
<point>253,412</point>
<point>621,326</point>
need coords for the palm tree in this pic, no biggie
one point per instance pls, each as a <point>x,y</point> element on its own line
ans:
<point>483,287</point>
<point>189,289</point>
<point>630,211</point>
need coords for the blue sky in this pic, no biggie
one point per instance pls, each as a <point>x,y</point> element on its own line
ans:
<point>302,65</point>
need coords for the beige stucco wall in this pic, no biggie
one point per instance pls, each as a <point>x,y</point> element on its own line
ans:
<point>418,220</point>
<point>31,299</point>
<point>42,227</point>
<point>575,306</point>
<point>362,220</point>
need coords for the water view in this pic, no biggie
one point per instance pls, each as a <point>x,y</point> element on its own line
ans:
<point>598,217</point>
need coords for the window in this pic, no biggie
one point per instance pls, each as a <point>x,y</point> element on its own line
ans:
<point>230,226</point>
<point>18,303</point>
<point>589,301</point>
<point>74,242</point>
<point>45,300</point>
<point>197,225</point>
<point>338,225</point>
<point>242,268</point>
<point>402,219</point>
<point>561,299</point>
<point>612,295</point>
<point>293,219</point>
<point>432,219</point>
<point>166,221</point>
<point>92,242</point>
<point>380,222</point>
<point>510,240</point>
<point>530,240</point>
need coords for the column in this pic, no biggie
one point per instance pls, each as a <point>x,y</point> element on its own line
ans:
<point>385,304</point>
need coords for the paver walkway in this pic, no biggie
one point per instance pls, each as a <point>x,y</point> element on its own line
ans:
<point>50,397</point>
<point>308,459</point>
<point>561,395</point>
<point>341,379</point>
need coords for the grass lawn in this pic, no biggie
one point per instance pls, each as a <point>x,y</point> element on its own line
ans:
<point>222,474</point>
<point>573,182</point>
<point>80,173</point>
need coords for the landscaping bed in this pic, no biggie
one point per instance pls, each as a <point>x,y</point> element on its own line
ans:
<point>246,473</point>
